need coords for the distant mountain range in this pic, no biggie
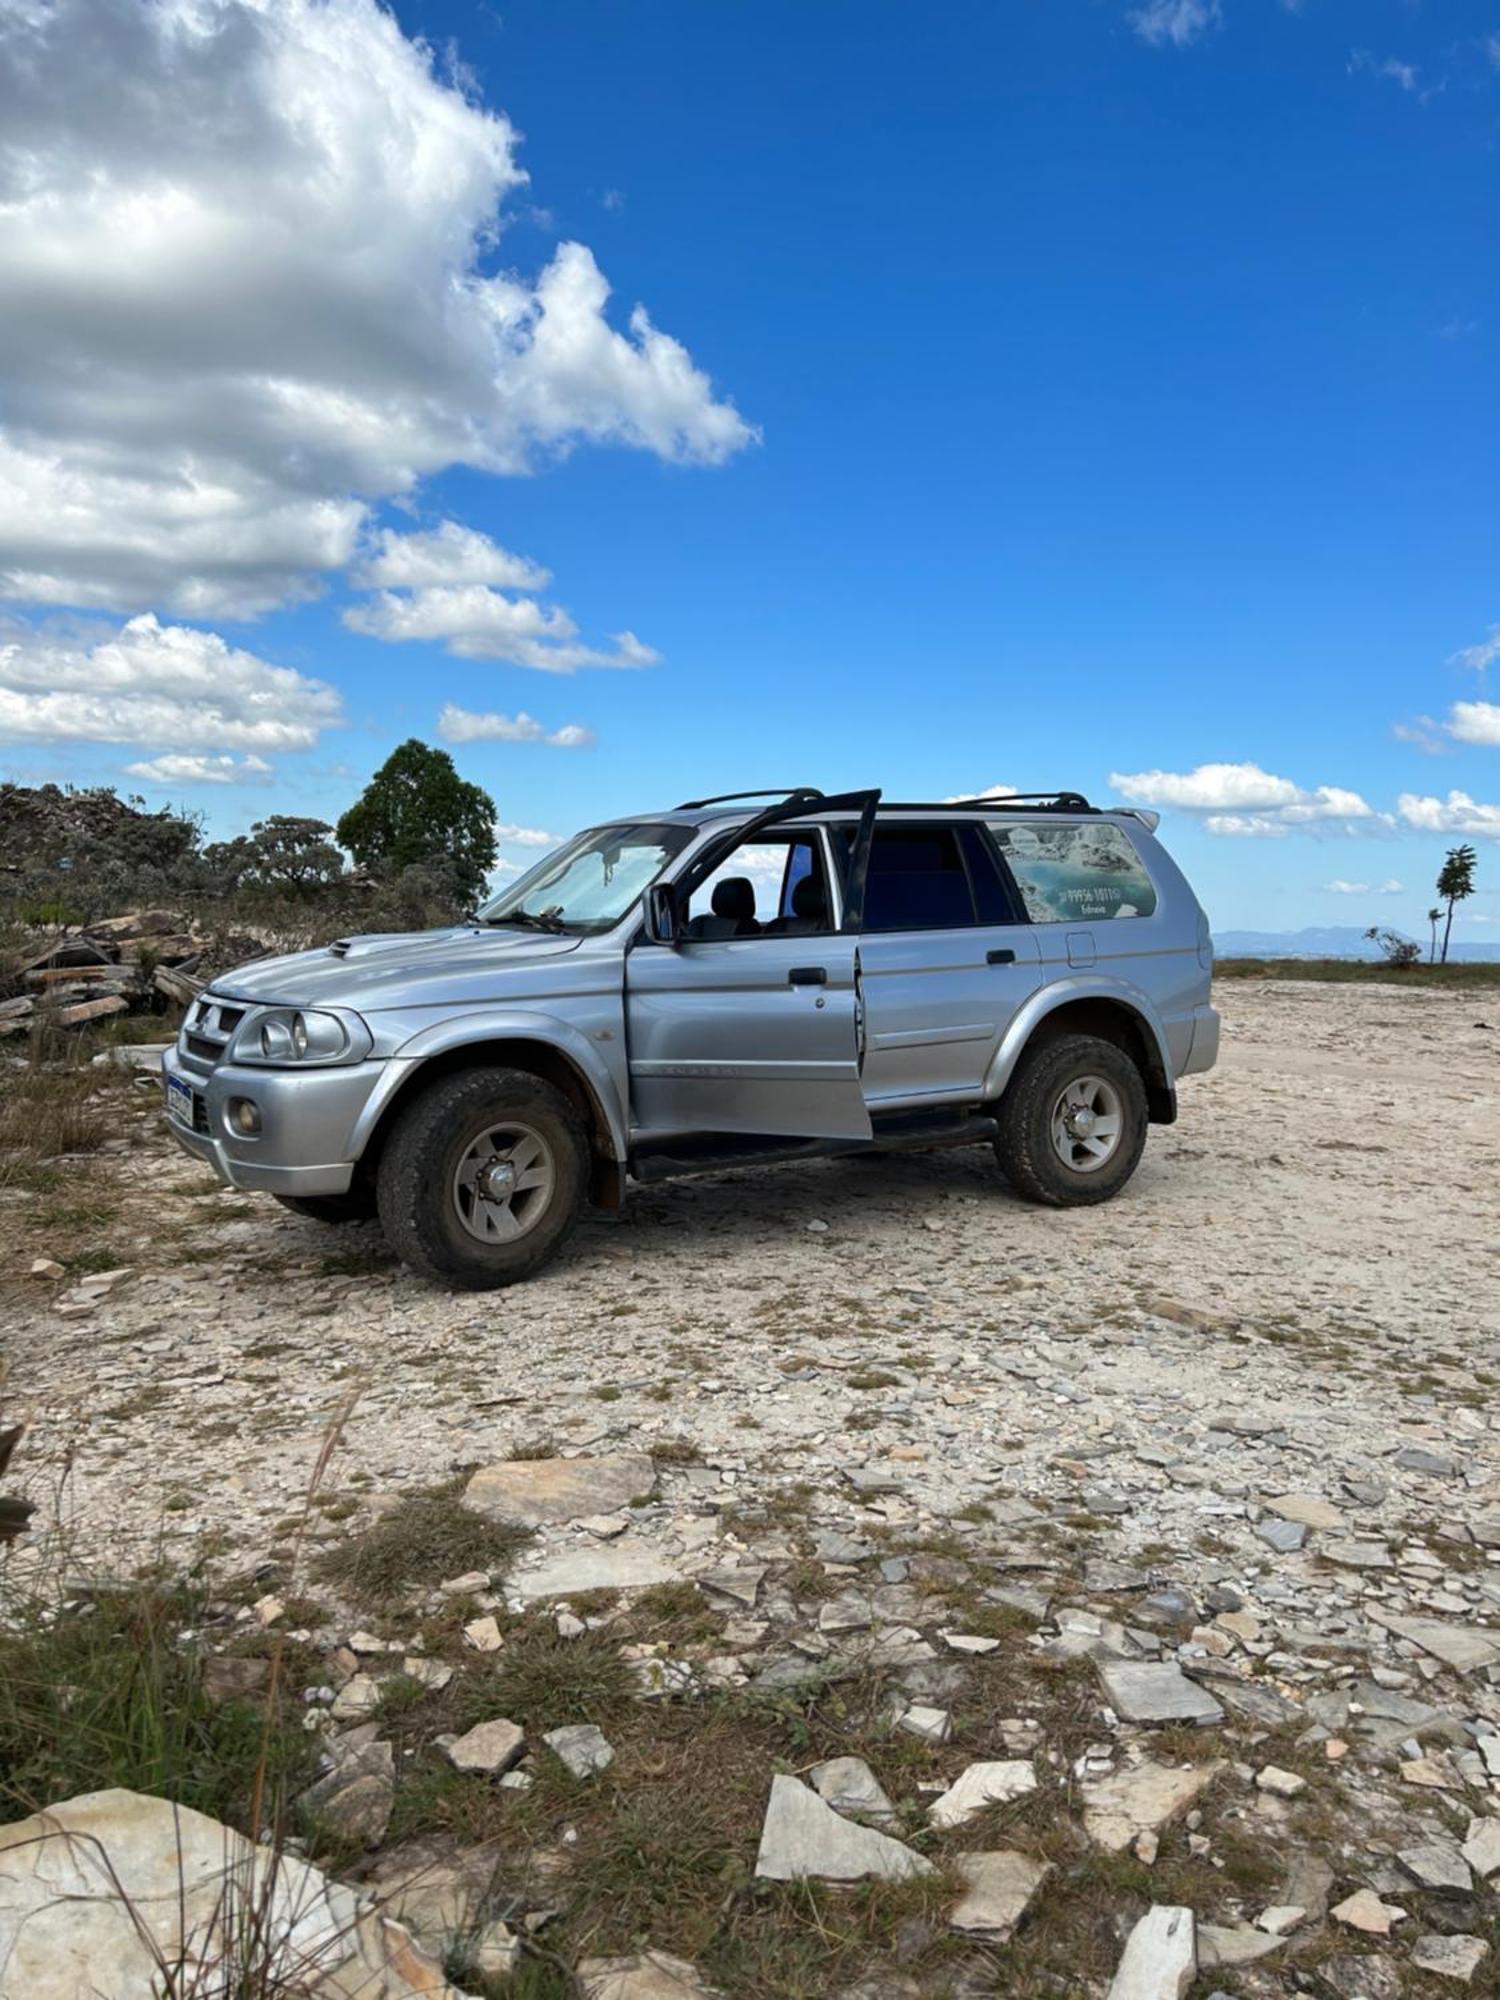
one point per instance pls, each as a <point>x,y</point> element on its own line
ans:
<point>1329,941</point>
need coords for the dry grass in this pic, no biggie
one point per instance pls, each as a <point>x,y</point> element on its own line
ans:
<point>423,1539</point>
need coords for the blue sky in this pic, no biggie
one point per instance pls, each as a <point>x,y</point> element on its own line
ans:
<point>1101,395</point>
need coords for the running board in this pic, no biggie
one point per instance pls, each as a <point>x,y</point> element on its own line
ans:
<point>713,1152</point>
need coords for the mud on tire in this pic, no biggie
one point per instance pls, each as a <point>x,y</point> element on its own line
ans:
<point>483,1177</point>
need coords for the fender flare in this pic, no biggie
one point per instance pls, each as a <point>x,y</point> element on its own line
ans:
<point>1047,999</point>
<point>507,1024</point>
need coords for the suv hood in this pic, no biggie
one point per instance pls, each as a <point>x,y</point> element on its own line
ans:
<point>387,969</point>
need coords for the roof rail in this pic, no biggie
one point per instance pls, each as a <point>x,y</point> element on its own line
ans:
<point>1070,802</point>
<point>764,792</point>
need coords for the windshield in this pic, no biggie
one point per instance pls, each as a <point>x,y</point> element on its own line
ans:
<point>591,883</point>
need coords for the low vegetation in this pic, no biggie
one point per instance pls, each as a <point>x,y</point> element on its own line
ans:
<point>1458,975</point>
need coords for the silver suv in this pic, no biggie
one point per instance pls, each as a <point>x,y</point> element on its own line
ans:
<point>711,986</point>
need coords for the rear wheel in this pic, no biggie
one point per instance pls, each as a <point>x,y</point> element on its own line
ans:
<point>358,1205</point>
<point>1073,1122</point>
<point>483,1177</point>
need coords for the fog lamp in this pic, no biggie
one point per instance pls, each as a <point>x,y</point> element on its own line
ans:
<point>244,1115</point>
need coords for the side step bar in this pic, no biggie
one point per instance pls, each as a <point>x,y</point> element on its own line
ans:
<point>712,1153</point>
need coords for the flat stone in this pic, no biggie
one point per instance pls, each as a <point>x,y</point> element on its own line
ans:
<point>358,1698</point>
<point>1481,1848</point>
<point>998,1887</point>
<point>1435,1464</point>
<point>846,1614</point>
<point>1117,1809</point>
<point>928,1725</point>
<point>850,1787</point>
<point>868,1480</point>
<point>582,1747</point>
<point>1308,1509</point>
<point>1463,1647</point>
<point>1357,1555</point>
<point>1156,1691</point>
<point>488,1748</point>
<point>627,1564</point>
<point>968,1642</point>
<point>803,1837</point>
<point>1364,1911</point>
<point>1286,1537</point>
<point>1280,1919</point>
<point>1366,1977</point>
<point>1233,1944</point>
<point>483,1634</point>
<point>981,1785</point>
<point>740,1586</point>
<point>1279,1783</point>
<point>1160,1960</point>
<point>535,1492</point>
<point>844,1549</point>
<point>1457,1957</point>
<point>112,1886</point>
<point>356,1798</point>
<point>1436,1864</point>
<point>645,1975</point>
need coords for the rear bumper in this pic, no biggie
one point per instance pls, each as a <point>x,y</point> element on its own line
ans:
<point>1204,1051</point>
<point>307,1124</point>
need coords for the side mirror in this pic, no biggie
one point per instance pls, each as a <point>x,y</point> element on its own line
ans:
<point>661,914</point>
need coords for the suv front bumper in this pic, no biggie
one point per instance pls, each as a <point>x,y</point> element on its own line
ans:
<point>308,1119</point>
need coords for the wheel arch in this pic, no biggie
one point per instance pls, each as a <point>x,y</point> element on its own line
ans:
<point>546,1055</point>
<point>1079,1008</point>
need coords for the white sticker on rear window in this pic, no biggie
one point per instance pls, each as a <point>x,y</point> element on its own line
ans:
<point>1076,874</point>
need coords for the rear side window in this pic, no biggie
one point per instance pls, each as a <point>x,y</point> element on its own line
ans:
<point>917,881</point>
<point>1076,874</point>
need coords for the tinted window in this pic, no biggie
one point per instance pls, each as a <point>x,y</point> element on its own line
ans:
<point>917,881</point>
<point>1079,874</point>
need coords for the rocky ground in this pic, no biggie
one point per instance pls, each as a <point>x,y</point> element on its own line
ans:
<point>1061,1574</point>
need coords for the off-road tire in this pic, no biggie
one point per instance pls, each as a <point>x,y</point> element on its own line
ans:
<point>1024,1147</point>
<point>417,1167</point>
<point>358,1205</point>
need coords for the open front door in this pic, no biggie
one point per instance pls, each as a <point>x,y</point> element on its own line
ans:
<point>751,1022</point>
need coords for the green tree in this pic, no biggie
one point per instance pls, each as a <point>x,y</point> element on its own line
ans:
<point>418,812</point>
<point>1455,881</point>
<point>1434,918</point>
<point>283,853</point>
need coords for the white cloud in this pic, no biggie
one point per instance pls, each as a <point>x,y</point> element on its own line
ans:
<point>447,554</point>
<point>1458,813</point>
<point>1475,722</point>
<point>524,836</point>
<point>474,622</point>
<point>1176,21</point>
<point>1341,888</point>
<point>157,684</point>
<point>249,260</point>
<point>1241,801</point>
<point>1423,733</point>
<point>201,770</point>
<point>989,792</point>
<point>1477,658</point>
<point>1404,74</point>
<point>462,725</point>
<point>1207,788</point>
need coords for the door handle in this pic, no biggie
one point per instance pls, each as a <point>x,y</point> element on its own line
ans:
<point>1003,956</point>
<point>807,975</point>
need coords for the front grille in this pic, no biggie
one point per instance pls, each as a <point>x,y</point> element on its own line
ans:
<point>200,1112</point>
<point>206,1032</point>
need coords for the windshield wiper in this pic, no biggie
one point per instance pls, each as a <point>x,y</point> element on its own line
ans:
<point>531,920</point>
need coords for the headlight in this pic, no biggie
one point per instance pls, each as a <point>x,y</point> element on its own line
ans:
<point>292,1035</point>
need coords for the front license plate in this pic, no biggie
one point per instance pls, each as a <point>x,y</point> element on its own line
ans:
<point>180,1101</point>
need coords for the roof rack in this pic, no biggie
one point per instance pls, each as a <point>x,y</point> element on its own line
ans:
<point>1069,802</point>
<point>764,792</point>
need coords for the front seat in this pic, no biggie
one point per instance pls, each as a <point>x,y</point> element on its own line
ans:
<point>809,910</point>
<point>733,905</point>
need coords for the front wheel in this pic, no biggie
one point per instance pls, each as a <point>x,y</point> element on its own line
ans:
<point>1072,1122</point>
<point>483,1178</point>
